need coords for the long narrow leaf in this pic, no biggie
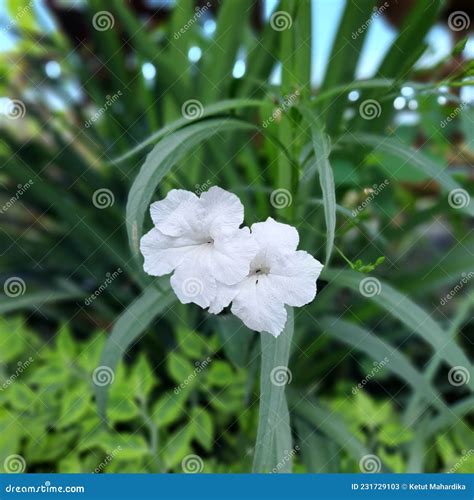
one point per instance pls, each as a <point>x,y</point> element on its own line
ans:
<point>212,109</point>
<point>408,155</point>
<point>322,149</point>
<point>402,308</point>
<point>129,326</point>
<point>273,407</point>
<point>378,350</point>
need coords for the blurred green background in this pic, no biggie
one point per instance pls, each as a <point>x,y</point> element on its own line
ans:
<point>379,93</point>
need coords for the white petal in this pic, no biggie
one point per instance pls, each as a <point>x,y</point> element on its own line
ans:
<point>193,282</point>
<point>232,255</point>
<point>164,253</point>
<point>271,235</point>
<point>293,278</point>
<point>177,214</point>
<point>224,211</point>
<point>257,306</point>
<point>224,296</point>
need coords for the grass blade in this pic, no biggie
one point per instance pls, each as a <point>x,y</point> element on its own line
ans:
<point>273,407</point>
<point>210,110</point>
<point>408,155</point>
<point>402,308</point>
<point>129,326</point>
<point>328,422</point>
<point>322,149</point>
<point>378,349</point>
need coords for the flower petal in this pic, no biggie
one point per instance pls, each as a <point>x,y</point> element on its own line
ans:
<point>271,235</point>
<point>224,296</point>
<point>257,306</point>
<point>224,211</point>
<point>293,278</point>
<point>164,253</point>
<point>193,281</point>
<point>177,213</point>
<point>232,255</point>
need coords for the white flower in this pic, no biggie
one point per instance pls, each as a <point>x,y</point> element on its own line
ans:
<point>199,239</point>
<point>279,274</point>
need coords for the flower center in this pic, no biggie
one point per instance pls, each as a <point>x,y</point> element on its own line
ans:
<point>260,271</point>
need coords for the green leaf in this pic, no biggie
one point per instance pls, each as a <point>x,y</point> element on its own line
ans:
<point>191,343</point>
<point>273,407</point>
<point>158,163</point>
<point>128,327</point>
<point>143,378</point>
<point>65,343</point>
<point>74,406</point>
<point>177,446</point>
<point>203,427</point>
<point>322,149</point>
<point>235,337</point>
<point>212,109</point>
<point>345,54</point>
<point>220,374</point>
<point>36,300</point>
<point>179,368</point>
<point>409,155</point>
<point>328,422</point>
<point>12,338</point>
<point>21,396</point>
<point>319,453</point>
<point>402,308</point>
<point>384,356</point>
<point>169,408</point>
